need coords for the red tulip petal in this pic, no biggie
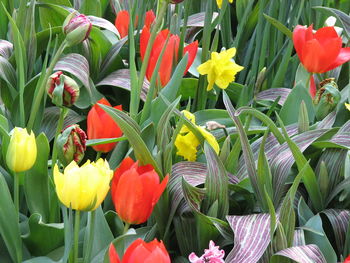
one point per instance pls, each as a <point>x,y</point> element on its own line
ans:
<point>131,249</point>
<point>129,194</point>
<point>158,256</point>
<point>160,189</point>
<point>191,49</point>
<point>144,38</point>
<point>113,255</point>
<point>299,39</point>
<point>347,260</point>
<point>311,59</point>
<point>324,34</point>
<point>166,66</point>
<point>149,18</point>
<point>122,23</point>
<point>344,56</point>
<point>103,101</point>
<point>312,88</point>
<point>145,168</point>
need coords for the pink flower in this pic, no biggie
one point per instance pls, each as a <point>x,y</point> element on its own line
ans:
<point>211,255</point>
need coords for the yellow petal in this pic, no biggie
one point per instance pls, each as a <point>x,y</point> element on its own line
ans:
<point>204,68</point>
<point>210,138</point>
<point>347,106</point>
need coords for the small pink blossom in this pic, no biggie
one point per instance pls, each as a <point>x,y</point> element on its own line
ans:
<point>211,255</point>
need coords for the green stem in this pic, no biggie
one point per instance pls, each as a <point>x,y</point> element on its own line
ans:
<point>91,236</point>
<point>16,194</point>
<point>41,90</point>
<point>126,228</point>
<point>201,93</point>
<point>135,100</point>
<point>63,111</point>
<point>76,235</point>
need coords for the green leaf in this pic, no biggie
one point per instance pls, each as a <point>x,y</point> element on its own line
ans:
<point>9,227</point>
<point>43,238</point>
<point>290,110</point>
<point>310,180</point>
<point>279,26</point>
<point>52,14</point>
<point>91,7</point>
<point>36,181</point>
<point>129,128</point>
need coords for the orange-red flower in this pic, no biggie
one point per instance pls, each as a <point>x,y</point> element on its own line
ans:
<point>100,126</point>
<point>135,191</point>
<point>141,252</point>
<point>122,21</point>
<point>347,260</point>
<point>321,51</point>
<point>170,53</point>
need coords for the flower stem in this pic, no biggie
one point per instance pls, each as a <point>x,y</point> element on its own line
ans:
<point>41,90</point>
<point>76,236</point>
<point>91,236</point>
<point>63,111</point>
<point>126,227</point>
<point>16,194</point>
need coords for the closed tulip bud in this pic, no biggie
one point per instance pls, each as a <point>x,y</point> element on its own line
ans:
<point>71,144</point>
<point>140,251</point>
<point>22,150</point>
<point>76,28</point>
<point>65,94</point>
<point>135,191</point>
<point>326,99</point>
<point>83,188</point>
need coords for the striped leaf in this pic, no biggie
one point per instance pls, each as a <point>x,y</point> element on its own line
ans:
<point>283,159</point>
<point>299,238</point>
<point>301,254</point>
<point>252,237</point>
<point>100,22</point>
<point>273,94</point>
<point>121,78</point>
<point>6,48</point>
<point>216,182</point>
<point>339,220</point>
<point>76,65</point>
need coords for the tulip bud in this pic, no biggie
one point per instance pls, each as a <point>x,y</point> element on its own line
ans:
<point>71,145</point>
<point>326,99</point>
<point>22,151</point>
<point>62,95</point>
<point>76,28</point>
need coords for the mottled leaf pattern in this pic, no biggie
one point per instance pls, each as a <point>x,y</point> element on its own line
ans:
<point>273,94</point>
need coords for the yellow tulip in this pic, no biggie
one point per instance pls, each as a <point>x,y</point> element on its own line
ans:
<point>22,151</point>
<point>83,188</point>
<point>220,68</point>
<point>187,143</point>
<point>219,2</point>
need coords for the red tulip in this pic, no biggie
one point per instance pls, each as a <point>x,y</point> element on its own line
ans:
<point>122,23</point>
<point>321,51</point>
<point>135,191</point>
<point>123,18</point>
<point>100,126</point>
<point>141,252</point>
<point>312,88</point>
<point>170,53</point>
<point>113,255</point>
<point>347,260</point>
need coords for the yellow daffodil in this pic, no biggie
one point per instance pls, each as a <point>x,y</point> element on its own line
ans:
<point>22,151</point>
<point>187,143</point>
<point>219,2</point>
<point>220,68</point>
<point>347,105</point>
<point>83,188</point>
